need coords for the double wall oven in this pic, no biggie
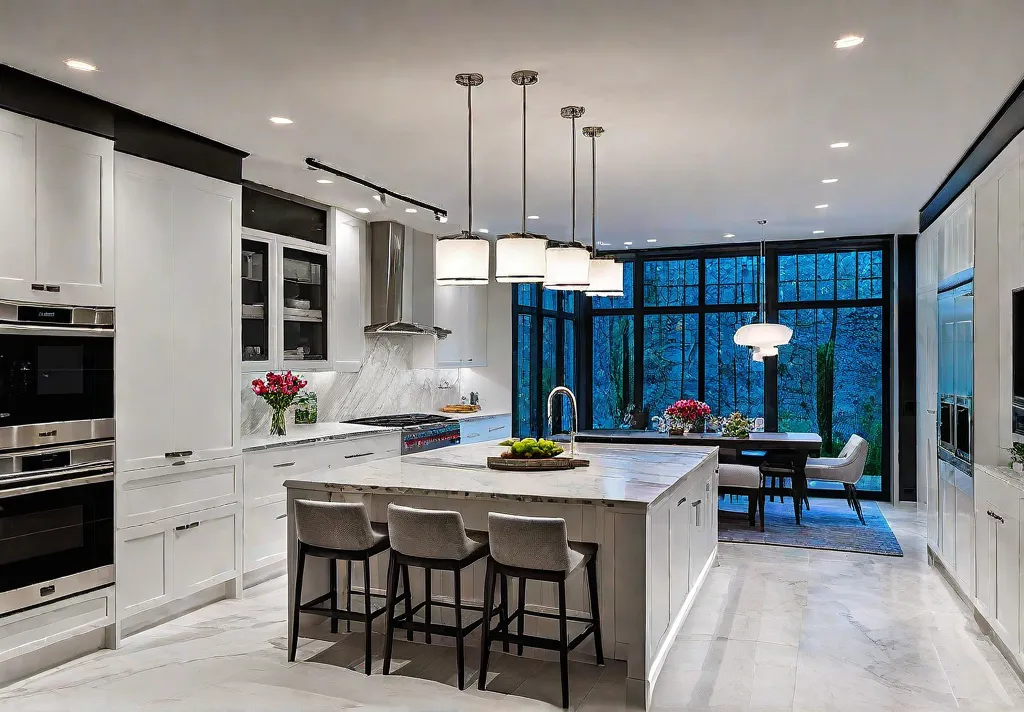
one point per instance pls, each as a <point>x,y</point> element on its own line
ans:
<point>56,452</point>
<point>956,370</point>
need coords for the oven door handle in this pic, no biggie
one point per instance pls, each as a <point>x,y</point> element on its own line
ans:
<point>28,488</point>
<point>37,330</point>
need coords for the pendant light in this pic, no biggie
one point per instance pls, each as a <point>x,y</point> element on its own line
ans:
<point>520,257</point>
<point>764,337</point>
<point>605,272</point>
<point>568,263</point>
<point>464,259</point>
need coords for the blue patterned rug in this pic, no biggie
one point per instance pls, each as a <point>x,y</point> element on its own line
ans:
<point>830,524</point>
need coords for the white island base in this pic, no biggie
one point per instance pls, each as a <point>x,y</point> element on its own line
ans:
<point>651,508</point>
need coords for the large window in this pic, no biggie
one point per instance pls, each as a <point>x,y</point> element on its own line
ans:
<point>545,343</point>
<point>671,336</point>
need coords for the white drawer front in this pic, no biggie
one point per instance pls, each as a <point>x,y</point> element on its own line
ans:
<point>204,550</point>
<point>497,427</point>
<point>22,633</point>
<point>265,535</point>
<point>143,568</point>
<point>151,495</point>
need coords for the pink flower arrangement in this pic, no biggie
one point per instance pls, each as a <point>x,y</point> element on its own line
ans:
<point>279,391</point>
<point>684,414</point>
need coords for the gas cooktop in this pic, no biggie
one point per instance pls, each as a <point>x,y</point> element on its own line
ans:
<point>402,420</point>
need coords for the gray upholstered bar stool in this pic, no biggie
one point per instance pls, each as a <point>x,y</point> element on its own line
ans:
<point>538,548</point>
<point>339,531</point>
<point>432,539</point>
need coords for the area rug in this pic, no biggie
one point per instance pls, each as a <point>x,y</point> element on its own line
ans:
<point>830,524</point>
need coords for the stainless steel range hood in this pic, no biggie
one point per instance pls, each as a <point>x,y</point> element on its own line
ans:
<point>402,282</point>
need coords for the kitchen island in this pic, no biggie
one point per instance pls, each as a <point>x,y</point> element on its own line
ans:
<point>651,508</point>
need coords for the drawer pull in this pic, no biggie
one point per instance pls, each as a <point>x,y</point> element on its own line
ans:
<point>193,525</point>
<point>38,287</point>
<point>357,454</point>
<point>48,590</point>
<point>471,435</point>
<point>53,288</point>
<point>496,428</point>
<point>181,528</point>
<point>179,462</point>
<point>285,464</point>
<point>281,516</point>
<point>178,453</point>
<point>681,501</point>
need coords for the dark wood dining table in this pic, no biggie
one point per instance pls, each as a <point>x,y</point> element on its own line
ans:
<point>789,451</point>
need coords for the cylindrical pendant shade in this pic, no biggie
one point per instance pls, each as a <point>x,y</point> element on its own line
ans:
<point>462,261</point>
<point>605,278</point>
<point>568,267</point>
<point>763,336</point>
<point>520,258</point>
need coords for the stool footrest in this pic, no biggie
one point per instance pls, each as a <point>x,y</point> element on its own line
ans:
<point>342,614</point>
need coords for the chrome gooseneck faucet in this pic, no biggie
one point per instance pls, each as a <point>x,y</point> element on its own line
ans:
<point>575,418</point>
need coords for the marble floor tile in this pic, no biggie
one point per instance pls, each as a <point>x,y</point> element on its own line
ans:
<point>774,630</point>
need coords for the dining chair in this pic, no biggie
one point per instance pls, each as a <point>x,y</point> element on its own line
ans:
<point>745,480</point>
<point>847,468</point>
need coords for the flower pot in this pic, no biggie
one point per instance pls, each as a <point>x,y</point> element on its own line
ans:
<point>277,425</point>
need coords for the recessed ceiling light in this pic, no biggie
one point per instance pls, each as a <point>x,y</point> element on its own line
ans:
<point>818,232</point>
<point>839,144</point>
<point>80,65</point>
<point>410,210</point>
<point>533,217</point>
<point>847,41</point>
<point>279,120</point>
<point>362,210</point>
<point>324,180</point>
<point>820,207</point>
<point>728,234</point>
<point>483,230</point>
<point>652,240</point>
<point>829,180</point>
<point>627,243</point>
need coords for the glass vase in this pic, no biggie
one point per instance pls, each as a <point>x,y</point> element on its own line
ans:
<point>277,426</point>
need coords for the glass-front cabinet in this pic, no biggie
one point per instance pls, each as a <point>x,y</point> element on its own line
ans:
<point>285,301</point>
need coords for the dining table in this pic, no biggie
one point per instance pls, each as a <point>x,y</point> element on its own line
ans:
<point>777,454</point>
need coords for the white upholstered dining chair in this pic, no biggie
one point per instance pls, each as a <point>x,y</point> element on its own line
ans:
<point>847,469</point>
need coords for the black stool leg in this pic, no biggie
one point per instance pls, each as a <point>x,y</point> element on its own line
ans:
<point>334,593</point>
<point>460,651</point>
<point>348,594</point>
<point>389,630</point>
<point>408,604</point>
<point>485,633</point>
<point>367,627</point>
<point>521,603</point>
<point>595,609</point>
<point>856,503</point>
<point>294,642</point>
<point>563,651</point>
<point>429,600</point>
<point>503,612</point>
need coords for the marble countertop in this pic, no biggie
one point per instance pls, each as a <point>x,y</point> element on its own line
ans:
<point>756,441</point>
<point>629,476</point>
<point>313,433</point>
<point>1007,474</point>
<point>485,413</point>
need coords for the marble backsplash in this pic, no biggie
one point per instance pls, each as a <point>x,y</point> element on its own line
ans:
<point>384,385</point>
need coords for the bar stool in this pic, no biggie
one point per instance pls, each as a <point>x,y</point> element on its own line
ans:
<point>339,531</point>
<point>432,539</point>
<point>538,548</point>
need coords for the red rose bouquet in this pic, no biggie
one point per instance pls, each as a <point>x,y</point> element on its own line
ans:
<point>684,414</point>
<point>278,391</point>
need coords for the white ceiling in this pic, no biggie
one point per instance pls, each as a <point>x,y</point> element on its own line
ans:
<point>717,112</point>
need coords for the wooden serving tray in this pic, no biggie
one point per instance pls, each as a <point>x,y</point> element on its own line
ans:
<point>535,463</point>
<point>460,409</point>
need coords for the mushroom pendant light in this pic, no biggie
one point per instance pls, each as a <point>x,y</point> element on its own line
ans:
<point>520,257</point>
<point>605,272</point>
<point>765,338</point>
<point>568,264</point>
<point>464,259</point>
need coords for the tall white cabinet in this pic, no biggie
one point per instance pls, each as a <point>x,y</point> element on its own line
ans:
<point>178,364</point>
<point>56,214</point>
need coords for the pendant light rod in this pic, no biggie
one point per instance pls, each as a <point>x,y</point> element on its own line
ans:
<point>573,113</point>
<point>592,132</point>
<point>469,80</point>
<point>524,78</point>
<point>760,287</point>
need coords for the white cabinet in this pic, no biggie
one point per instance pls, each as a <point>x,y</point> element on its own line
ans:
<point>955,233</point>
<point>178,346</point>
<point>464,311</point>
<point>173,558</point>
<point>57,201</point>
<point>350,276</point>
<point>965,537</point>
<point>496,427</point>
<point>998,553</point>
<point>659,564</point>
<point>148,495</point>
<point>679,550</point>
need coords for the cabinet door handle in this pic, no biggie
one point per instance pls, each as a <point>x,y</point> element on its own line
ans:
<point>193,525</point>
<point>281,516</point>
<point>179,462</point>
<point>357,454</point>
<point>178,453</point>
<point>285,464</point>
<point>53,288</point>
<point>496,428</point>
<point>181,528</point>
<point>48,590</point>
<point>680,501</point>
<point>697,510</point>
<point>38,287</point>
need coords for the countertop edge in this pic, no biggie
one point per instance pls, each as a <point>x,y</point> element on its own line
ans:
<point>312,440</point>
